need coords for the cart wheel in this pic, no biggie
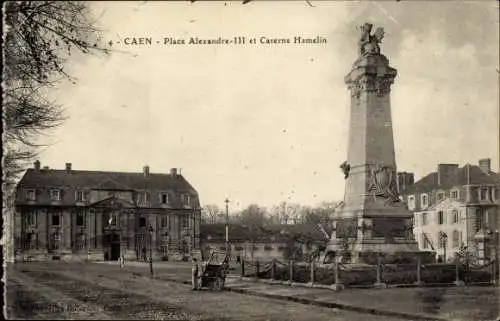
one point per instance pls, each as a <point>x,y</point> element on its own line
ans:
<point>219,284</point>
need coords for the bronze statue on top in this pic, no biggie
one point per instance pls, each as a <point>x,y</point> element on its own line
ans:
<point>369,43</point>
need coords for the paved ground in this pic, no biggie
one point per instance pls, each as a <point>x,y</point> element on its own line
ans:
<point>451,303</point>
<point>58,290</point>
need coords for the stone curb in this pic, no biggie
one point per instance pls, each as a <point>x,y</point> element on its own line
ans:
<point>332,305</point>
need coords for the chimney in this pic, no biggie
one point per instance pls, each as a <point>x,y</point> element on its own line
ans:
<point>405,180</point>
<point>36,164</point>
<point>446,173</point>
<point>145,170</point>
<point>173,172</point>
<point>68,168</point>
<point>485,165</point>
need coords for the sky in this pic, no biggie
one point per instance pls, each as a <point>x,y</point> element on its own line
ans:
<point>268,123</point>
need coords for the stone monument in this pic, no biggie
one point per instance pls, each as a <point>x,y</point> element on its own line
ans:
<point>372,219</point>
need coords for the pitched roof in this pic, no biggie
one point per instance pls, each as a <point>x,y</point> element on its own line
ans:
<point>70,182</point>
<point>104,180</point>
<point>468,174</point>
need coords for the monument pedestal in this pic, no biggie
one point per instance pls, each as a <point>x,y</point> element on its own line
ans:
<point>373,219</point>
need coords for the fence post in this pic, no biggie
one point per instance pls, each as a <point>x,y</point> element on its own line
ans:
<point>379,284</point>
<point>419,270</point>
<point>273,269</point>
<point>494,272</point>
<point>312,273</point>
<point>338,285</point>
<point>257,269</point>
<point>290,266</point>
<point>458,282</point>
<point>242,267</point>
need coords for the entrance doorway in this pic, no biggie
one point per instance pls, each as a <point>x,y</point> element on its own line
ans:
<point>112,246</point>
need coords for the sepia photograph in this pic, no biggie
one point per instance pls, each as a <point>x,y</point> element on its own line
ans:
<point>251,160</point>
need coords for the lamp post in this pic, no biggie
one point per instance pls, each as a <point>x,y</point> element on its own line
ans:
<point>150,249</point>
<point>227,224</point>
<point>444,240</point>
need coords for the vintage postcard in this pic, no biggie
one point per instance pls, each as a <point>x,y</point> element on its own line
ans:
<point>251,160</point>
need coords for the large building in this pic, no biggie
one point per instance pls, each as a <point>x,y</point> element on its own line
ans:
<point>455,206</point>
<point>96,215</point>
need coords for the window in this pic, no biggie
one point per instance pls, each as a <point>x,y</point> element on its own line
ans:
<point>55,194</point>
<point>484,193</point>
<point>440,217</point>
<point>80,196</point>
<point>142,198</point>
<point>454,214</point>
<point>456,239</point>
<point>411,202</point>
<point>56,218</point>
<point>164,198</point>
<point>113,219</point>
<point>185,222</point>
<point>424,200</point>
<point>186,199</point>
<point>31,195</point>
<point>439,239</point>
<point>424,219</point>
<point>30,241</point>
<point>142,222</point>
<point>415,219</point>
<point>440,196</point>
<point>80,219</point>
<point>454,194</point>
<point>80,241</point>
<point>30,219</point>
<point>164,221</point>
<point>492,197</point>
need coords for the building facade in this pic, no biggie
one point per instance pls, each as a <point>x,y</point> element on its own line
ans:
<point>92,215</point>
<point>456,206</point>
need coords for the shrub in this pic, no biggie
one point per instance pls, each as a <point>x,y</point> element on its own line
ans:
<point>391,274</point>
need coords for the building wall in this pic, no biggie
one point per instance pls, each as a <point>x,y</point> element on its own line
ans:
<point>94,230</point>
<point>457,229</point>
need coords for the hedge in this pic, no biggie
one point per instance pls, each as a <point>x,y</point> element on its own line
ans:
<point>400,274</point>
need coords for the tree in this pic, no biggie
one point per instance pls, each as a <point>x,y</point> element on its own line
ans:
<point>211,213</point>
<point>254,219</point>
<point>286,213</point>
<point>40,37</point>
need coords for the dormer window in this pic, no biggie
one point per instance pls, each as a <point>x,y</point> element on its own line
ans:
<point>142,198</point>
<point>411,202</point>
<point>31,195</point>
<point>440,196</point>
<point>55,194</point>
<point>454,194</point>
<point>80,196</point>
<point>424,200</point>
<point>186,199</point>
<point>164,198</point>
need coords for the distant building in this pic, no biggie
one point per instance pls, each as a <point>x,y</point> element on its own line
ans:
<point>279,241</point>
<point>456,204</point>
<point>97,215</point>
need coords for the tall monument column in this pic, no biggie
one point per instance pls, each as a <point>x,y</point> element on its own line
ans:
<point>372,218</point>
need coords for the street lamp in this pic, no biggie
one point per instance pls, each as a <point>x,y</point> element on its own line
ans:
<point>227,223</point>
<point>150,249</point>
<point>444,240</point>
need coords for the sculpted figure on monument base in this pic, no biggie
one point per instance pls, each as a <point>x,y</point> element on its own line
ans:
<point>369,43</point>
<point>383,183</point>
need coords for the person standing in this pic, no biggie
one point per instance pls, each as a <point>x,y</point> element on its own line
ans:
<point>194,275</point>
<point>121,260</point>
